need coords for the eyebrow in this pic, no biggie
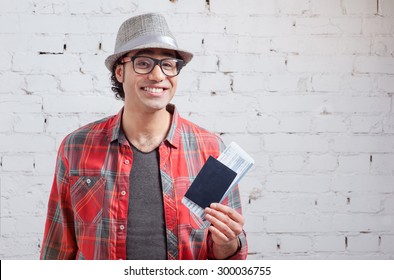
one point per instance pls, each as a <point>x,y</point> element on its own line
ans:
<point>147,51</point>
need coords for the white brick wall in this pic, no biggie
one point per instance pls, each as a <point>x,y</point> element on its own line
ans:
<point>305,86</point>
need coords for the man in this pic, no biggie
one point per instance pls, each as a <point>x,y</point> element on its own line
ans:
<point>119,182</point>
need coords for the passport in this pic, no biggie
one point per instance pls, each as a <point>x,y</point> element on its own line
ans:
<point>211,183</point>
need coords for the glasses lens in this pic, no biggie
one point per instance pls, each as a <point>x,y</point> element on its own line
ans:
<point>144,65</point>
<point>170,67</point>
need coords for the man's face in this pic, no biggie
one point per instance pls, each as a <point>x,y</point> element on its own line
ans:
<point>147,92</point>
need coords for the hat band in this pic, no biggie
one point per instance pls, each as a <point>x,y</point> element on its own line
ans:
<point>148,39</point>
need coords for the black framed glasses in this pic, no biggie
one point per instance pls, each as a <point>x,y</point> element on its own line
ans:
<point>145,64</point>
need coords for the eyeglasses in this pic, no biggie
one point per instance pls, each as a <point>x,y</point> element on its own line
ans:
<point>144,65</point>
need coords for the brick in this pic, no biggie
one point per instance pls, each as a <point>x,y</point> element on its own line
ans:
<point>84,7</point>
<point>20,104</point>
<point>322,7</point>
<point>295,244</point>
<point>382,164</point>
<point>204,63</point>
<point>221,43</point>
<point>247,7</point>
<point>363,183</point>
<point>325,162</point>
<point>332,203</point>
<point>292,82</point>
<point>321,64</point>
<point>80,104</point>
<point>328,26</point>
<point>387,243</point>
<point>6,122</point>
<point>42,83</point>
<point>378,25</point>
<point>295,143</point>
<point>383,65</point>
<point>18,163</point>
<point>44,163</point>
<point>251,63</point>
<point>330,123</point>
<point>82,43</point>
<point>62,123</point>
<point>253,45</point>
<point>249,83</point>
<point>363,242</point>
<point>45,64</point>
<point>60,24</point>
<point>269,203</point>
<point>288,163</point>
<point>26,143</point>
<point>6,27</point>
<point>300,223</point>
<point>94,63</point>
<point>363,7</point>
<point>298,183</point>
<point>19,42</point>
<point>386,8</point>
<point>120,7</point>
<point>259,242</point>
<point>295,7</point>
<point>46,43</point>
<point>383,46</point>
<point>76,82</point>
<point>329,243</point>
<point>26,123</point>
<point>354,163</point>
<point>215,82</point>
<point>366,203</point>
<point>326,83</point>
<point>254,224</point>
<point>5,61</point>
<point>366,124</point>
<point>291,103</point>
<point>357,143</point>
<point>386,83</point>
<point>388,123</point>
<point>362,222</point>
<point>50,7</point>
<point>10,82</point>
<point>268,26</point>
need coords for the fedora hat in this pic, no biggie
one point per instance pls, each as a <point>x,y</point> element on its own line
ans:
<point>142,32</point>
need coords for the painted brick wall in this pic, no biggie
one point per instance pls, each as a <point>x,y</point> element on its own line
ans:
<point>305,86</point>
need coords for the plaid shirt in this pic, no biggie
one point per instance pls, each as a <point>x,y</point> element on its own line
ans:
<point>88,204</point>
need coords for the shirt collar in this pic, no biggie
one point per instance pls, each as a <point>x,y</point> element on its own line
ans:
<point>173,135</point>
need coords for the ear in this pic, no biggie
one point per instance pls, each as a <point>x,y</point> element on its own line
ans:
<point>119,73</point>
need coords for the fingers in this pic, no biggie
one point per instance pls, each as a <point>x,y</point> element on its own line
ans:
<point>227,223</point>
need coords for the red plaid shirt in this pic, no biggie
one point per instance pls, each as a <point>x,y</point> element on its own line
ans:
<point>88,204</point>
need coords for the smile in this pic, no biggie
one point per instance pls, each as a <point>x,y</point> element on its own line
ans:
<point>154,90</point>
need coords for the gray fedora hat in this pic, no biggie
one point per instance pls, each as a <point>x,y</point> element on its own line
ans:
<point>142,32</point>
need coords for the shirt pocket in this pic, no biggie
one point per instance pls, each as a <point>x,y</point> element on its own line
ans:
<point>87,198</point>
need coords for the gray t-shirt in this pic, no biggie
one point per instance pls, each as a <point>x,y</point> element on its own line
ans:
<point>146,232</point>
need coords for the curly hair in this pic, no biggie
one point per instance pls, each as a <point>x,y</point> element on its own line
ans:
<point>117,87</point>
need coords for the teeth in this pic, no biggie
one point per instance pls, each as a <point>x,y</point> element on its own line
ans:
<point>154,90</point>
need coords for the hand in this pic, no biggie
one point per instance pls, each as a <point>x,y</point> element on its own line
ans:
<point>227,224</point>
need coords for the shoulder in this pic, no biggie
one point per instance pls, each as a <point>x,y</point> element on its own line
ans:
<point>94,132</point>
<point>194,134</point>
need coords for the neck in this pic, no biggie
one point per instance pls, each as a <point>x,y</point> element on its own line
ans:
<point>146,130</point>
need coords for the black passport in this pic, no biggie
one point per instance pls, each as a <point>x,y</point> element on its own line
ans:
<point>211,183</point>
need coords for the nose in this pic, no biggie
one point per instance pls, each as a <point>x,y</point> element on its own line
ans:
<point>156,74</point>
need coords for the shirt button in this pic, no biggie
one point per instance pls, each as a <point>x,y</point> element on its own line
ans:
<point>122,227</point>
<point>88,181</point>
<point>123,192</point>
<point>127,161</point>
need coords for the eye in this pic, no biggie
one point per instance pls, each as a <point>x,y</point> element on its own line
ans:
<point>168,64</point>
<point>143,63</point>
